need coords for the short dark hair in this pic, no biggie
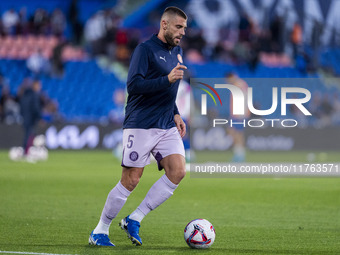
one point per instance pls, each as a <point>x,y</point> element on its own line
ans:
<point>175,10</point>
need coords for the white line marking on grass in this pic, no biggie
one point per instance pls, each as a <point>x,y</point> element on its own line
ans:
<point>31,253</point>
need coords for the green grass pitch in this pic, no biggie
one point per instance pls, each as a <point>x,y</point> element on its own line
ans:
<point>51,207</point>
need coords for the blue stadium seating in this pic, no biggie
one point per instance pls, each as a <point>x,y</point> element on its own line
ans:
<point>85,92</point>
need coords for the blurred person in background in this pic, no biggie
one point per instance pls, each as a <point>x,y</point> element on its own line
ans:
<point>116,115</point>
<point>58,22</point>
<point>327,109</point>
<point>40,21</point>
<point>9,107</point>
<point>244,28</point>
<point>10,19</point>
<point>94,33</point>
<point>30,104</point>
<point>22,27</point>
<point>73,17</point>
<point>37,63</point>
<point>296,39</point>
<point>277,29</point>
<point>57,63</point>
<point>237,129</point>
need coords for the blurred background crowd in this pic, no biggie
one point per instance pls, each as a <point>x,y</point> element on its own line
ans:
<point>79,50</point>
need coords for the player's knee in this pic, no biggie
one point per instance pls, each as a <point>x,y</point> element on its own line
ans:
<point>130,177</point>
<point>181,173</point>
<point>134,182</point>
<point>177,175</point>
<point>130,182</point>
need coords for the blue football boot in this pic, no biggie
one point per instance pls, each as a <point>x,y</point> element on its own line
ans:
<point>131,227</point>
<point>100,240</point>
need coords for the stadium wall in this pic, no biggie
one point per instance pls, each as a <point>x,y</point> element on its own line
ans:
<point>94,136</point>
<point>269,139</point>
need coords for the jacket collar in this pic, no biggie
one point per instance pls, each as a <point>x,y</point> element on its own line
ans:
<point>158,41</point>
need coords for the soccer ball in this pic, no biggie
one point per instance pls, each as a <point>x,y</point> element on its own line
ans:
<point>199,234</point>
<point>16,153</point>
<point>39,141</point>
<point>37,153</point>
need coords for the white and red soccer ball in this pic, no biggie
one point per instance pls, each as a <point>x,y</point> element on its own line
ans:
<point>37,152</point>
<point>199,234</point>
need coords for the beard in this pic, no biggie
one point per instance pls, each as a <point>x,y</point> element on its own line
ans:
<point>170,39</point>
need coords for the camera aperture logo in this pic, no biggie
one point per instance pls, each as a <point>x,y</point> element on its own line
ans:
<point>242,105</point>
<point>204,97</point>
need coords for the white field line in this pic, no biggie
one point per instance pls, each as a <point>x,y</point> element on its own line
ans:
<point>31,253</point>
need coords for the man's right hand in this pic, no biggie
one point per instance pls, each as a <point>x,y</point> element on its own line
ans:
<point>176,73</point>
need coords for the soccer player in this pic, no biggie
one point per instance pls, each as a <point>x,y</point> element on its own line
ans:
<point>30,108</point>
<point>152,125</point>
<point>237,130</point>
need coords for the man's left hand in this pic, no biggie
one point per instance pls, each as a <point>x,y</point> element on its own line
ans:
<point>180,125</point>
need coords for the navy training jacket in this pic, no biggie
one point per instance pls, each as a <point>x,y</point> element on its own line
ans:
<point>151,97</point>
